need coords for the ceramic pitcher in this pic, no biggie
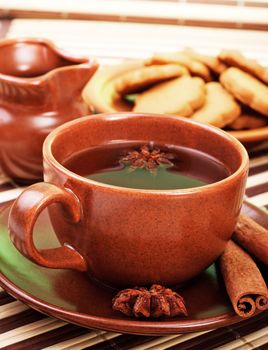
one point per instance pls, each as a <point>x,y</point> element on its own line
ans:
<point>40,88</point>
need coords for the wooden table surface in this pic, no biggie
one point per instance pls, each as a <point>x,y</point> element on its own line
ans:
<point>24,328</point>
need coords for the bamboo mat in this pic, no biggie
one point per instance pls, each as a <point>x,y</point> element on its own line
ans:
<point>110,43</point>
<point>250,14</point>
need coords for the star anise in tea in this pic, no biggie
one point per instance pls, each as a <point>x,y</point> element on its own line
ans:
<point>156,302</point>
<point>147,158</point>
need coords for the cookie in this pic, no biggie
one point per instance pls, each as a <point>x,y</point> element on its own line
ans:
<point>195,67</point>
<point>248,121</point>
<point>245,88</point>
<point>219,109</point>
<point>213,63</point>
<point>181,96</point>
<point>236,59</point>
<point>138,79</point>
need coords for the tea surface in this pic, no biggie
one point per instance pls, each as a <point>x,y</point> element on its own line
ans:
<point>188,168</point>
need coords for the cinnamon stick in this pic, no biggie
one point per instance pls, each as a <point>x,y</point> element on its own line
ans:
<point>244,283</point>
<point>253,237</point>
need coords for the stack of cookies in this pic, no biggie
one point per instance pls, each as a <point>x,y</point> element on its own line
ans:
<point>228,91</point>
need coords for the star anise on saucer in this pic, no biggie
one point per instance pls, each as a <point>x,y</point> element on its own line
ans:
<point>156,302</point>
<point>147,158</point>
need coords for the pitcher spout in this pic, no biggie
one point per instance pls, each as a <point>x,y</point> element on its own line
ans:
<point>35,66</point>
<point>66,82</point>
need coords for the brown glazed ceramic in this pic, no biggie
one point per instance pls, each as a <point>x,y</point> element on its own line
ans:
<point>72,296</point>
<point>122,236</point>
<point>40,88</point>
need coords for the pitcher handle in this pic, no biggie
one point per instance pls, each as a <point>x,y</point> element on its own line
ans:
<point>23,216</point>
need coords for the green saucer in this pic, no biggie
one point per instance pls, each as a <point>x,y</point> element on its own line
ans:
<point>73,297</point>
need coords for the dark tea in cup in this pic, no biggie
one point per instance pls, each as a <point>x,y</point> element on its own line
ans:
<point>147,166</point>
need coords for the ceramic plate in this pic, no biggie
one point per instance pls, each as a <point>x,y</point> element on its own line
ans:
<point>71,296</point>
<point>99,91</point>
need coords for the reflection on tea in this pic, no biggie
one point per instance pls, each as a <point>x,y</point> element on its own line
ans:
<point>147,166</point>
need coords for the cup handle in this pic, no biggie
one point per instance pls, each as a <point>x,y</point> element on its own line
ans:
<point>23,216</point>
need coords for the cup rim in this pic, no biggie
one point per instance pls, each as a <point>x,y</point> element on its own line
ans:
<point>49,157</point>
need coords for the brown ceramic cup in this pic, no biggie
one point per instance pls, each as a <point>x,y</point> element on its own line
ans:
<point>123,236</point>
